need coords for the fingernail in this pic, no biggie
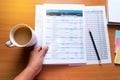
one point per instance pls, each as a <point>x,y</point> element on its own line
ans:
<point>40,48</point>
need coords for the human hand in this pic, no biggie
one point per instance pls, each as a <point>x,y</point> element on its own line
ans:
<point>36,58</point>
<point>34,65</point>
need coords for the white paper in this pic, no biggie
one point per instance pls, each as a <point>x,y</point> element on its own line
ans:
<point>95,20</point>
<point>64,33</point>
<point>39,24</point>
<point>114,10</point>
<point>67,34</point>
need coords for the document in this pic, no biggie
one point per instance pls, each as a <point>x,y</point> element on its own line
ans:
<point>64,28</point>
<point>95,20</point>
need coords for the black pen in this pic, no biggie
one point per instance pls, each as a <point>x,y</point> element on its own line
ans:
<point>98,57</point>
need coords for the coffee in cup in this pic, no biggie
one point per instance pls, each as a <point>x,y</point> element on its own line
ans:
<point>22,35</point>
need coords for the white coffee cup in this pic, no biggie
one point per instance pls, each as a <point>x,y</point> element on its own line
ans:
<point>21,35</point>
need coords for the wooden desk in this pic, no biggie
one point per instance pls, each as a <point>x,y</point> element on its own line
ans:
<point>13,60</point>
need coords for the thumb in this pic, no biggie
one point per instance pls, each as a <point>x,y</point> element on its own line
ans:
<point>44,50</point>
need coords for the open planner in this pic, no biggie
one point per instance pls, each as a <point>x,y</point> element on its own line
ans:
<point>65,29</point>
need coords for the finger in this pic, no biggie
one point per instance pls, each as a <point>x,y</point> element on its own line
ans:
<point>38,48</point>
<point>44,50</point>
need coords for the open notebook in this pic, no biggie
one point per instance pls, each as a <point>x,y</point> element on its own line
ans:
<point>64,28</point>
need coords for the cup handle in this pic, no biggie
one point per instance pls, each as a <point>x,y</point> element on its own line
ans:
<point>9,44</point>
